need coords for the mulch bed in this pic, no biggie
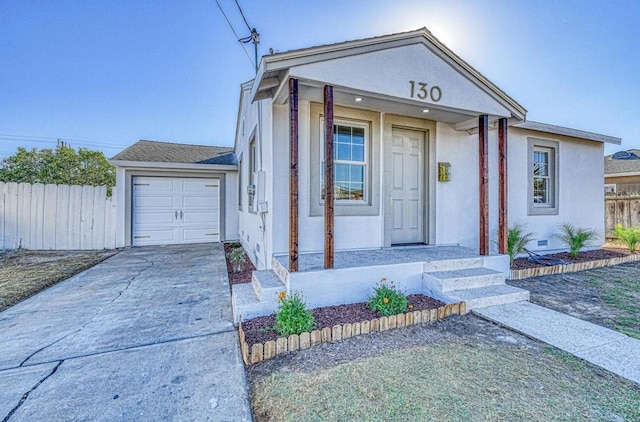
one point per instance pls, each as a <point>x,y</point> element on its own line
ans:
<point>259,330</point>
<point>243,276</point>
<point>585,256</point>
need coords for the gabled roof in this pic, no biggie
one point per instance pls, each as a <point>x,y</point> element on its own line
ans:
<point>273,68</point>
<point>613,166</point>
<point>167,152</point>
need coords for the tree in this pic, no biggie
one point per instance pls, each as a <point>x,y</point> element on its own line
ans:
<point>61,166</point>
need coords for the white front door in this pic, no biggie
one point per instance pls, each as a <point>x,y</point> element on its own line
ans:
<point>407,186</point>
<point>169,210</point>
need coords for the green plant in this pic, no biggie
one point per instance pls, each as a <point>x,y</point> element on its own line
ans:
<point>237,259</point>
<point>293,317</point>
<point>575,238</point>
<point>234,245</point>
<point>517,240</point>
<point>630,236</point>
<point>387,300</point>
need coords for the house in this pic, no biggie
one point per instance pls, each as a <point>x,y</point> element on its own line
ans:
<point>622,172</point>
<point>171,193</point>
<point>392,157</point>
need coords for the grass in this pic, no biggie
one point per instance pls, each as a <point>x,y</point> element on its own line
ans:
<point>623,295</point>
<point>25,273</point>
<point>450,382</point>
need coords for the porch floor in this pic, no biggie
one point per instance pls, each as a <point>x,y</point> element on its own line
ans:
<point>374,257</point>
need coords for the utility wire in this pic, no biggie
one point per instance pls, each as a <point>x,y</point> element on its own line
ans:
<point>235,33</point>
<point>242,14</point>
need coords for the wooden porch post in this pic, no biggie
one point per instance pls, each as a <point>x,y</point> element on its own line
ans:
<point>503,224</point>
<point>328,177</point>
<point>293,175</point>
<point>483,181</point>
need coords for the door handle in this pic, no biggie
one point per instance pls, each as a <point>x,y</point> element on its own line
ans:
<point>180,214</point>
<point>176,214</point>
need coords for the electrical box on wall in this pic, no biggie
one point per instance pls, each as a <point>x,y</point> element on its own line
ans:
<point>444,172</point>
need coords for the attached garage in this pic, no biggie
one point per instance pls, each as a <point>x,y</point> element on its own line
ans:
<point>172,210</point>
<point>176,194</point>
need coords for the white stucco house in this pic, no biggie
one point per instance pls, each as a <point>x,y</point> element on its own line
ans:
<point>430,162</point>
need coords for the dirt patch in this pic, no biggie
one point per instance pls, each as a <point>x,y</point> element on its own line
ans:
<point>24,273</point>
<point>607,296</point>
<point>259,330</point>
<point>586,256</point>
<point>460,368</point>
<point>243,276</point>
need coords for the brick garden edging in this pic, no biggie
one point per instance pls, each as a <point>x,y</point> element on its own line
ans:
<point>571,268</point>
<point>272,348</point>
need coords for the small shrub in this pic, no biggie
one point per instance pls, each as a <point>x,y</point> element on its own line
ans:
<point>234,245</point>
<point>630,236</point>
<point>293,317</point>
<point>237,259</point>
<point>517,241</point>
<point>387,300</point>
<point>575,238</point>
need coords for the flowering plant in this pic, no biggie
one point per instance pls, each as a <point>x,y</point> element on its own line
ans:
<point>292,316</point>
<point>387,300</point>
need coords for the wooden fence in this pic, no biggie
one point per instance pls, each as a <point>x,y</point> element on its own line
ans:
<point>57,217</point>
<point>621,209</point>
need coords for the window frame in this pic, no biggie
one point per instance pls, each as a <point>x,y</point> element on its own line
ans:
<point>366,180</point>
<point>551,148</point>
<point>252,169</point>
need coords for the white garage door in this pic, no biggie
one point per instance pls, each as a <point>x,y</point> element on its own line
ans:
<point>168,210</point>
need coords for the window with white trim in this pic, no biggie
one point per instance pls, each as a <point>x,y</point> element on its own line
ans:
<point>350,147</point>
<point>543,176</point>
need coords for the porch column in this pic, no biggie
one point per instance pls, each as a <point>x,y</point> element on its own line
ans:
<point>503,225</point>
<point>483,181</point>
<point>293,175</point>
<point>328,177</point>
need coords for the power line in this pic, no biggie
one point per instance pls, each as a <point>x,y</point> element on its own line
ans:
<point>242,14</point>
<point>235,33</point>
<point>47,139</point>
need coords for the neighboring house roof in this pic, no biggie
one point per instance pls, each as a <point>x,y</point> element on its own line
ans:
<point>167,152</point>
<point>613,166</point>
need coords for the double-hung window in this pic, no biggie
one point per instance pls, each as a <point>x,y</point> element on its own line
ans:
<point>350,162</point>
<point>543,176</point>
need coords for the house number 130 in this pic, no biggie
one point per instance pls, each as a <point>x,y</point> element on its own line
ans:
<point>420,90</point>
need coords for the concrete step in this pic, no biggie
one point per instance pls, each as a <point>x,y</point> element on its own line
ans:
<point>489,296</point>
<point>267,285</point>
<point>245,303</point>
<point>467,278</point>
<point>453,264</point>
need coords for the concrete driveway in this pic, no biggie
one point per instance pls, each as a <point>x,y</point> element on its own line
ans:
<point>146,335</point>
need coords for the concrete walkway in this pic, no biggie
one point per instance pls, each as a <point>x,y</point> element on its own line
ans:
<point>145,335</point>
<point>601,346</point>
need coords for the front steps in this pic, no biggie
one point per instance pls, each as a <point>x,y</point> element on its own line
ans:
<point>478,286</point>
<point>477,280</point>
<point>258,298</point>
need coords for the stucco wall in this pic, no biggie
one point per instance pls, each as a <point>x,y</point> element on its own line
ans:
<point>580,180</point>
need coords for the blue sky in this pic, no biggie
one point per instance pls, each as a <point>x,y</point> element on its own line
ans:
<point>104,74</point>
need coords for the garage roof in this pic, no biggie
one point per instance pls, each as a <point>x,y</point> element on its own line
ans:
<point>168,152</point>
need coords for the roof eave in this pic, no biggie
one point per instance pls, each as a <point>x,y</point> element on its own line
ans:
<point>565,131</point>
<point>172,166</point>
